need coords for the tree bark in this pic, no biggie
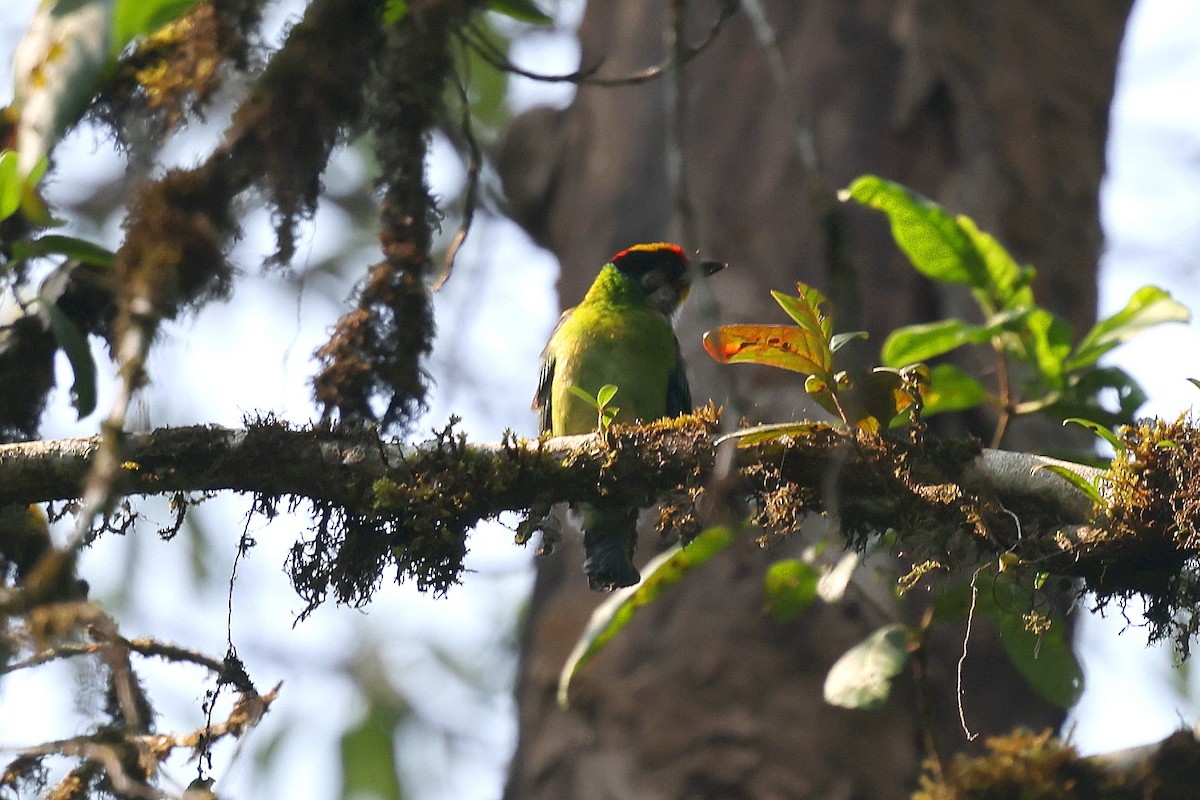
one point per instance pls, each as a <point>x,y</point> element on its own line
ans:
<point>996,110</point>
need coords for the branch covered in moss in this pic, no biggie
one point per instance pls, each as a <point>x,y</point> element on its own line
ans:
<point>950,505</point>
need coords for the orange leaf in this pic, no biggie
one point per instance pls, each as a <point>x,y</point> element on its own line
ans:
<point>783,346</point>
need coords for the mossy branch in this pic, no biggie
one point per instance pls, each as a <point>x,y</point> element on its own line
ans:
<point>951,505</point>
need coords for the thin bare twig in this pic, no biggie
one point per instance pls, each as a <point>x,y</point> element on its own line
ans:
<point>474,163</point>
<point>587,75</point>
<point>962,714</point>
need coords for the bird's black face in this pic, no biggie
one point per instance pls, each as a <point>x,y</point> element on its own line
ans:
<point>662,270</point>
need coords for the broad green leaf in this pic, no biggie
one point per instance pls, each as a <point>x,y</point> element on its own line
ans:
<point>1102,431</point>
<point>69,246</point>
<point>12,183</point>
<point>369,756</point>
<point>75,345</point>
<point>33,205</point>
<point>914,343</point>
<point>1149,306</point>
<point>1046,660</point>
<point>784,346</point>
<point>862,677</point>
<point>806,310</point>
<point>606,393</point>
<point>615,613</point>
<point>951,389</point>
<point>1007,283</point>
<point>791,587</point>
<point>134,18</point>
<point>1049,345</point>
<point>521,10</point>
<point>584,396</point>
<point>932,239</point>
<point>1075,479</point>
<point>394,11</point>
<point>748,437</point>
<point>1194,382</point>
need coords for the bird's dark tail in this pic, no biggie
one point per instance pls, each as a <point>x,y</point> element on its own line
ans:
<point>609,539</point>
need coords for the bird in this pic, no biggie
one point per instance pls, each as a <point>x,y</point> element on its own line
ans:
<point>620,334</point>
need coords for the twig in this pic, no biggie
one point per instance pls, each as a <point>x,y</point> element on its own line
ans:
<point>474,163</point>
<point>675,57</point>
<point>962,714</point>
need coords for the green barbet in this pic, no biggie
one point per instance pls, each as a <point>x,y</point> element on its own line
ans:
<point>620,334</point>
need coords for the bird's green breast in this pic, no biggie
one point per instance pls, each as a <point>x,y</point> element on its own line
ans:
<point>630,346</point>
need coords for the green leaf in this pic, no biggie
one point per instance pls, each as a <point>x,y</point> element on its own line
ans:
<point>1075,479</point>
<point>134,18</point>
<point>521,10</point>
<point>1194,382</point>
<point>606,393</point>
<point>74,344</point>
<point>758,434</point>
<point>584,396</point>
<point>791,587</point>
<point>914,343</point>
<point>394,11</point>
<point>1046,660</point>
<point>1102,431</point>
<point>933,240</point>
<point>615,613</point>
<point>1007,284</point>
<point>1049,346</point>
<point>11,184</point>
<point>951,389</point>
<point>369,756</point>
<point>862,677</point>
<point>806,310</point>
<point>69,246</point>
<point>1149,306</point>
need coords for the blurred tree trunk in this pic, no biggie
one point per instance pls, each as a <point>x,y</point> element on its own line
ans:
<point>997,110</point>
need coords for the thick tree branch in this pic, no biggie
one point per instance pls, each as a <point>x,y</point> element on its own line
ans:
<point>950,505</point>
<point>325,465</point>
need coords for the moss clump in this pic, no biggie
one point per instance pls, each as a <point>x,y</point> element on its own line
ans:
<point>1150,534</point>
<point>1020,766</point>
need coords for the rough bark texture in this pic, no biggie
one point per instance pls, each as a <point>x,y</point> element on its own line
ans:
<point>997,110</point>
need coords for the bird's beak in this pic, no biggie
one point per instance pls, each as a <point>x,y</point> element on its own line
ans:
<point>710,268</point>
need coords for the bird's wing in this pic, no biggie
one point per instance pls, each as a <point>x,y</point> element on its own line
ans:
<point>541,398</point>
<point>679,394</point>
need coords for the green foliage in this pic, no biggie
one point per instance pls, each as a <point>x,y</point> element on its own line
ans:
<point>1037,643</point>
<point>135,18</point>
<point>520,10</point>
<point>605,413</point>
<point>56,244</point>
<point>1059,377</point>
<point>369,756</point>
<point>74,344</point>
<point>862,677</point>
<point>869,400</point>
<point>791,587</point>
<point>611,616</point>
<point>11,184</point>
